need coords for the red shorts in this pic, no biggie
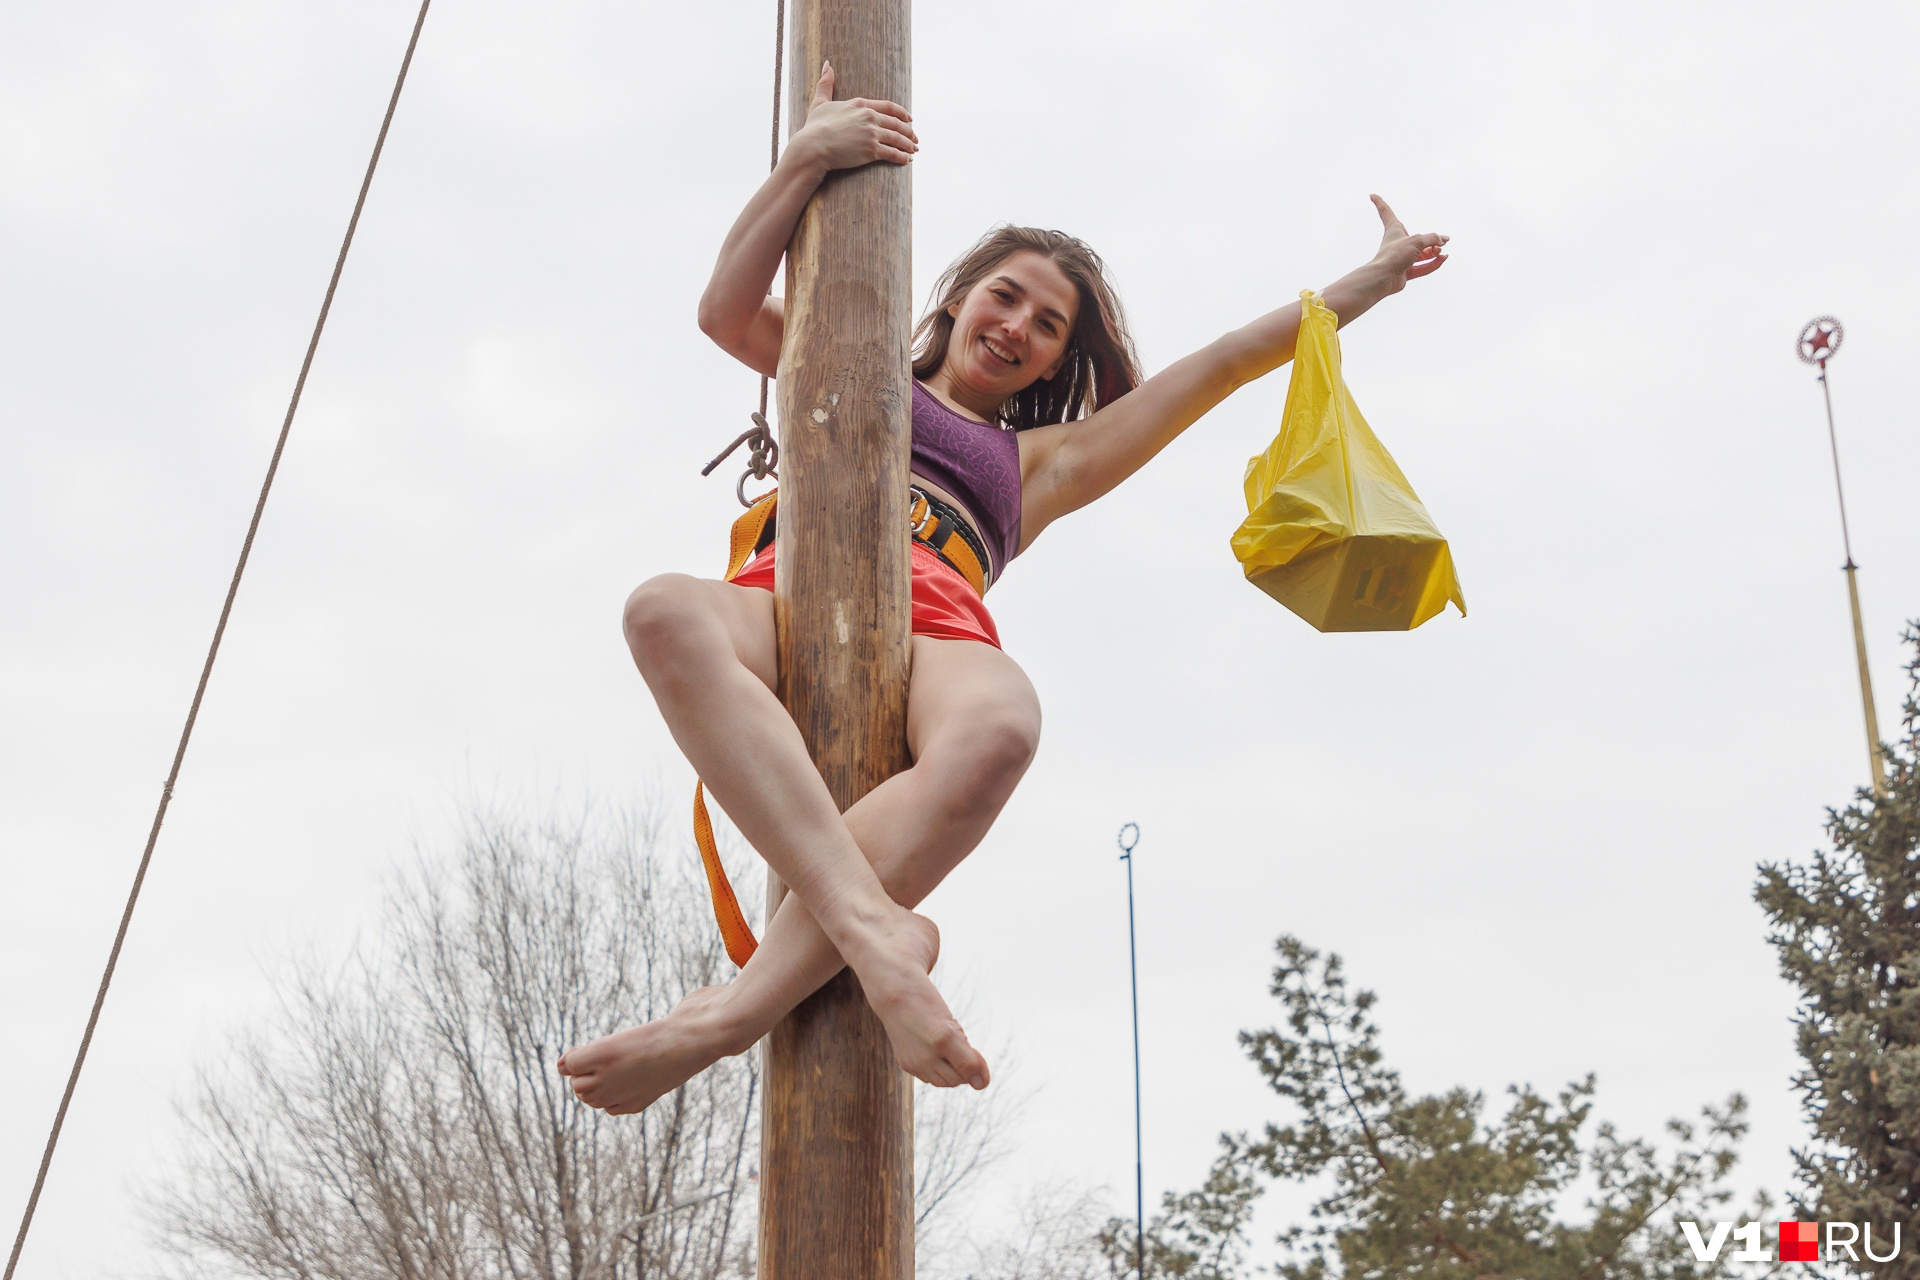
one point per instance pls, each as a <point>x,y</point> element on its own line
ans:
<point>944,605</point>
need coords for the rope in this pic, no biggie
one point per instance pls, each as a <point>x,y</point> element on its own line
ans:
<point>213,650</point>
<point>766,450</point>
<point>773,144</point>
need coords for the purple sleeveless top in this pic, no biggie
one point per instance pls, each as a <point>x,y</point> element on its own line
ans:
<point>979,464</point>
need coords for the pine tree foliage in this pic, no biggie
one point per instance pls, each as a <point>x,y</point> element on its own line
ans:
<point>1847,930</point>
<point>1428,1187</point>
<point>1201,1235</point>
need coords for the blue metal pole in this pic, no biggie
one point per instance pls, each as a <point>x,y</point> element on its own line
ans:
<point>1133,971</point>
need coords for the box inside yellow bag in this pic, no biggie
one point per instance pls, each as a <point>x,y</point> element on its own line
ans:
<point>1333,530</point>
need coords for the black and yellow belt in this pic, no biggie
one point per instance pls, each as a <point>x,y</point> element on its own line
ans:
<point>939,525</point>
<point>948,535</point>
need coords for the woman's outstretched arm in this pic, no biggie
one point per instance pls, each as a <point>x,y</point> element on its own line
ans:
<point>1067,466</point>
<point>737,311</point>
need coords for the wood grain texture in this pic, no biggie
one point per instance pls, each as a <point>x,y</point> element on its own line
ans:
<point>836,1169</point>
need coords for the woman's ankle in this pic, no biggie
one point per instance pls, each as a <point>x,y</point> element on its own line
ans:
<point>857,923</point>
<point>719,1021</point>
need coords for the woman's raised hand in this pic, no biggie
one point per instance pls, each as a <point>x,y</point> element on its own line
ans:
<point>1404,257</point>
<point>846,135</point>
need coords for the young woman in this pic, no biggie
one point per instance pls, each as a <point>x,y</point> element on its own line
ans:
<point>1028,404</point>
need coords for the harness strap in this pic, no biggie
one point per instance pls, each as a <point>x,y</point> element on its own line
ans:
<point>751,532</point>
<point>936,524</point>
<point>734,930</point>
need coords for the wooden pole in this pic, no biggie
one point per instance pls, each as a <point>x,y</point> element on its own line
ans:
<point>836,1167</point>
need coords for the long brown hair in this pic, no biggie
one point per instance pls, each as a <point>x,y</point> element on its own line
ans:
<point>1101,364</point>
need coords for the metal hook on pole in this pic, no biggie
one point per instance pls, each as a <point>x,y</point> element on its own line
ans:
<point>1819,339</point>
<point>1128,839</point>
<point>763,456</point>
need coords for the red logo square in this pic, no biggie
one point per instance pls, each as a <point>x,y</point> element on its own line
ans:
<point>1799,1242</point>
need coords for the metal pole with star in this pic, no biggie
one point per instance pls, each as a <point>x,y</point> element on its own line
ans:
<point>1819,340</point>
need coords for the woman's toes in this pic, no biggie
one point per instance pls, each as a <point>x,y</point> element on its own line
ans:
<point>969,1065</point>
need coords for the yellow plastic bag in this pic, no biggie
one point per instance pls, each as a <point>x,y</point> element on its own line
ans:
<point>1333,530</point>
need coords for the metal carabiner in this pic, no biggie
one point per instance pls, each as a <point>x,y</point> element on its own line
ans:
<point>919,510</point>
<point>765,455</point>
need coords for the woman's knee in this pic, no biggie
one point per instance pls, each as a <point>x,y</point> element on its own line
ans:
<point>998,741</point>
<point>661,615</point>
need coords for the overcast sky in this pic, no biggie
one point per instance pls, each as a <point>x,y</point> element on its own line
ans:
<point>1533,831</point>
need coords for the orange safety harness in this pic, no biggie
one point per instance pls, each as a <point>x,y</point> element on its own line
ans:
<point>929,521</point>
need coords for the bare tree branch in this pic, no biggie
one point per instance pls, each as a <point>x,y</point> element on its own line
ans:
<point>399,1117</point>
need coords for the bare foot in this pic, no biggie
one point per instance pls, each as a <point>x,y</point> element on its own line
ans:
<point>624,1072</point>
<point>927,1041</point>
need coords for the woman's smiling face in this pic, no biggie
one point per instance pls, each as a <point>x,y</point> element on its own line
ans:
<point>1012,329</point>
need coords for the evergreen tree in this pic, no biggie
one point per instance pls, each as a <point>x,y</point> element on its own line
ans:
<point>1428,1188</point>
<point>1847,928</point>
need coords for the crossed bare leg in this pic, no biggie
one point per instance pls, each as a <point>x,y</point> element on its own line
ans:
<point>973,723</point>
